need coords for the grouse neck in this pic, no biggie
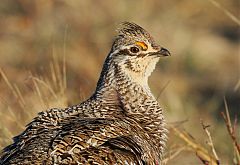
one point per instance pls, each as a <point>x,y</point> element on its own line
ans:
<point>117,82</point>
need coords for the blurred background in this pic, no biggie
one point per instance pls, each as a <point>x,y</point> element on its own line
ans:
<point>51,54</point>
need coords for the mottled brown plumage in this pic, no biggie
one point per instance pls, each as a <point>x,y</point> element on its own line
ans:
<point>121,123</point>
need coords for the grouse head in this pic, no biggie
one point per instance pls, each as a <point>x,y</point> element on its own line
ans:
<point>135,51</point>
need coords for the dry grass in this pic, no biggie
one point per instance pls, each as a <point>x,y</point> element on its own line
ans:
<point>232,131</point>
<point>51,53</point>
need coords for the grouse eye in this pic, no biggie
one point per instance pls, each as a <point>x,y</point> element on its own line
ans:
<point>134,49</point>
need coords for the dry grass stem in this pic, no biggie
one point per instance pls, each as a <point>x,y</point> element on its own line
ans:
<point>173,155</point>
<point>20,97</point>
<point>210,141</point>
<point>201,152</point>
<point>237,86</point>
<point>178,123</point>
<point>64,59</point>
<point>16,93</point>
<point>8,83</point>
<point>231,130</point>
<point>38,92</point>
<point>226,12</point>
<point>163,88</point>
<point>46,85</point>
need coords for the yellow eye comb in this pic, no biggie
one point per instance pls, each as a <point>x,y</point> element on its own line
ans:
<point>142,44</point>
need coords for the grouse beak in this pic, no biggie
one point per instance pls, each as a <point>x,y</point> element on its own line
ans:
<point>161,53</point>
<point>164,52</point>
